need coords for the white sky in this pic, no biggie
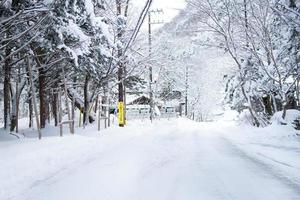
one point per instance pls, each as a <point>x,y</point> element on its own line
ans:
<point>170,7</point>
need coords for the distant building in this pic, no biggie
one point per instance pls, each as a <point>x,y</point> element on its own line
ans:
<point>137,100</point>
<point>138,106</point>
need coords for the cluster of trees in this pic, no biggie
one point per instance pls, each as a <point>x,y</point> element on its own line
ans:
<point>263,39</point>
<point>184,65</point>
<point>77,48</point>
<point>85,48</point>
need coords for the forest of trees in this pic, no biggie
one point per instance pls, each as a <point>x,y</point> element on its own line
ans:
<point>78,49</point>
<point>81,49</point>
<point>263,39</point>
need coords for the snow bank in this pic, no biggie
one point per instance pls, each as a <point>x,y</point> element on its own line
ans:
<point>27,161</point>
<point>291,116</point>
<point>230,115</point>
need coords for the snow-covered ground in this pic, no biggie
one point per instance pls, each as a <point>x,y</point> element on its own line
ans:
<point>168,160</point>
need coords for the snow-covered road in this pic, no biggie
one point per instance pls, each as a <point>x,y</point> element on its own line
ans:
<point>179,160</point>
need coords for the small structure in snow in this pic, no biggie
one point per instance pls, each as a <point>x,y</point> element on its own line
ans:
<point>138,107</point>
<point>142,100</point>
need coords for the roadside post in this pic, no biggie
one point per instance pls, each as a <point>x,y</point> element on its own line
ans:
<point>121,113</point>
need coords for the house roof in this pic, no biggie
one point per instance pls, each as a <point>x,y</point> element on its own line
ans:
<point>137,100</point>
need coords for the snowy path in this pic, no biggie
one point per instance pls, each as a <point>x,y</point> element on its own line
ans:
<point>176,161</point>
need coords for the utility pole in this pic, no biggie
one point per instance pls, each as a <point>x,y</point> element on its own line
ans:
<point>120,68</point>
<point>121,49</point>
<point>186,88</point>
<point>151,22</point>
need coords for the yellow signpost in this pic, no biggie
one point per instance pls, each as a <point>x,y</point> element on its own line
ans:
<point>121,114</point>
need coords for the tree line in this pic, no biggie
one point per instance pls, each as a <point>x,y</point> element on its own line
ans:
<point>263,39</point>
<point>76,48</point>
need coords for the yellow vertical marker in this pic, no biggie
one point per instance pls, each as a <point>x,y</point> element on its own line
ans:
<point>121,113</point>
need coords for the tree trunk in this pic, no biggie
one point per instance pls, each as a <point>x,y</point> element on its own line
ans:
<point>86,99</point>
<point>250,108</point>
<point>292,4</point>
<point>16,102</point>
<point>6,90</point>
<point>298,93</point>
<point>285,105</point>
<point>33,97</point>
<point>54,107</point>
<point>30,106</point>
<point>96,104</point>
<point>43,98</point>
<point>13,118</point>
<point>79,103</point>
<point>267,101</point>
<point>42,80</point>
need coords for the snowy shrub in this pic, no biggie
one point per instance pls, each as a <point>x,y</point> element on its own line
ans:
<point>292,118</point>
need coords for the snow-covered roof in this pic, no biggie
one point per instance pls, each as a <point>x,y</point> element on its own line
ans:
<point>130,98</point>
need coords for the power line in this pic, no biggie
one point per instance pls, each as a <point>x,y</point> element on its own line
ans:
<point>139,24</point>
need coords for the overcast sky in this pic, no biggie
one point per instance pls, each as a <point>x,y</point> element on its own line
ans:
<point>170,7</point>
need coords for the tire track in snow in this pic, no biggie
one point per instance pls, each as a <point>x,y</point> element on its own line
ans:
<point>267,168</point>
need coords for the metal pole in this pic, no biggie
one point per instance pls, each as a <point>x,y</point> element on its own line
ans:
<point>158,12</point>
<point>186,89</point>
<point>150,67</point>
